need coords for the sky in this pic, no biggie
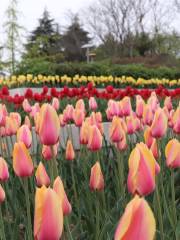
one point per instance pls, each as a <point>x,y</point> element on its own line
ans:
<point>31,10</point>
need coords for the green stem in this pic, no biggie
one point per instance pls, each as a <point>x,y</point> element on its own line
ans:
<point>173,198</point>
<point>3,237</point>
<point>73,182</point>
<point>66,222</point>
<point>121,174</point>
<point>50,165</point>
<point>29,230</point>
<point>97,216</point>
<point>159,213</point>
<point>55,169</point>
<point>75,194</point>
<point>165,201</point>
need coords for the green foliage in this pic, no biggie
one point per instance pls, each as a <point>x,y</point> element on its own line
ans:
<point>73,40</point>
<point>44,66</point>
<point>45,40</point>
<point>13,30</point>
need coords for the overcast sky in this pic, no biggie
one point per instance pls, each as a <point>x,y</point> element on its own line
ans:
<point>31,10</point>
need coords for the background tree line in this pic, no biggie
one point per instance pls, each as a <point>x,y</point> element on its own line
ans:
<point>123,31</point>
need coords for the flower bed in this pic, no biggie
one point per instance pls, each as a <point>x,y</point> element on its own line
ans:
<point>76,175</point>
<point>16,96</point>
<point>76,81</point>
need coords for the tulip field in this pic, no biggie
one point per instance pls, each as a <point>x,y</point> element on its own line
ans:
<point>85,164</point>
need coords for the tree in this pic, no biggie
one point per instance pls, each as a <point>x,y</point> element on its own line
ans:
<point>45,40</point>
<point>13,30</point>
<point>73,40</point>
<point>143,43</point>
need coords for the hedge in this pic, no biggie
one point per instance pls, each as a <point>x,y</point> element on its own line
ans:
<point>98,69</point>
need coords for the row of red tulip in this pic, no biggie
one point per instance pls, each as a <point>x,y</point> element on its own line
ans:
<point>85,92</point>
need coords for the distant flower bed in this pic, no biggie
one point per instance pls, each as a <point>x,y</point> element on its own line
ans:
<point>46,94</point>
<point>99,81</point>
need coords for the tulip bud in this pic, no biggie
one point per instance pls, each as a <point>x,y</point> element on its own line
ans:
<point>10,126</point>
<point>131,124</point>
<point>68,113</point>
<point>80,105</point>
<point>34,110</point>
<point>48,215</point>
<point>172,152</point>
<point>95,138</point>
<point>42,177</point>
<point>70,154</point>
<point>55,103</point>
<point>47,151</point>
<point>176,120</point>
<point>147,115</point>
<point>122,145</point>
<point>147,137</point>
<point>22,162</point>
<point>24,135</point>
<point>59,189</point>
<point>2,194</point>
<point>139,106</point>
<point>61,120</point>
<point>36,122</point>
<point>96,178</point>
<point>137,211</point>
<point>17,118</point>
<point>141,177</point>
<point>126,106</point>
<point>159,124</point>
<point>153,102</point>
<point>84,133</point>
<point>168,103</point>
<point>92,104</point>
<point>78,117</point>
<point>49,126</point>
<point>26,106</point>
<point>116,130</point>
<point>113,109</point>
<point>3,115</point>
<point>27,122</point>
<point>4,173</point>
<point>154,149</point>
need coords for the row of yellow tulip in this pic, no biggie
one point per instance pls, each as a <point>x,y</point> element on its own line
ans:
<point>77,80</point>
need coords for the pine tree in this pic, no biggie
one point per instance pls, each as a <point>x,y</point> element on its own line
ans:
<point>73,40</point>
<point>13,30</point>
<point>45,40</point>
